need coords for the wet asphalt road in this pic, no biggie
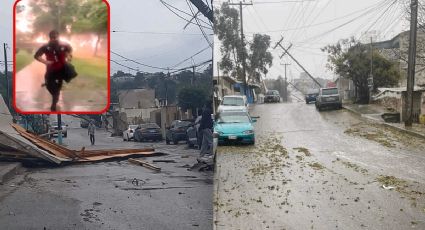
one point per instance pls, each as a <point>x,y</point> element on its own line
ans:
<point>333,179</point>
<point>106,196</point>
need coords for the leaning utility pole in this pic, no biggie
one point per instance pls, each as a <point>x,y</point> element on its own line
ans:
<point>295,60</point>
<point>370,79</point>
<point>204,9</point>
<point>242,45</point>
<point>285,89</point>
<point>411,62</point>
<point>5,74</point>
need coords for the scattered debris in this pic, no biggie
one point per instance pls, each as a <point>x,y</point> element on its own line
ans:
<point>303,150</point>
<point>316,166</point>
<point>387,187</point>
<point>144,164</point>
<point>165,161</point>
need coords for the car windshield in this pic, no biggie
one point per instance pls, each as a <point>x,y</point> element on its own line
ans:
<point>233,101</point>
<point>329,91</point>
<point>233,118</point>
<point>132,126</point>
<point>182,124</point>
<point>55,123</point>
<point>273,92</point>
<point>149,126</point>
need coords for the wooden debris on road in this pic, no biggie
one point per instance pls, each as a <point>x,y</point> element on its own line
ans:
<point>58,154</point>
<point>144,164</point>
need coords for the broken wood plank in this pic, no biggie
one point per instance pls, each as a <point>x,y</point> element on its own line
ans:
<point>144,164</point>
<point>165,161</point>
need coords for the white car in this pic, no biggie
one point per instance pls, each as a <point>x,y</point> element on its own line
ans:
<point>128,134</point>
<point>234,103</point>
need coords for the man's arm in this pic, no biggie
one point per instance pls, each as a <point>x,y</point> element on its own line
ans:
<point>38,56</point>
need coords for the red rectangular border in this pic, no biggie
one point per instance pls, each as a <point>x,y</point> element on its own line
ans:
<point>64,112</point>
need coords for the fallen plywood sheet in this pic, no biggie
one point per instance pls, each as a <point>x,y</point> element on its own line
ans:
<point>82,155</point>
<point>10,139</point>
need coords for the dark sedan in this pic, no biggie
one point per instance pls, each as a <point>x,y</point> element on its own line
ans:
<point>177,131</point>
<point>272,96</point>
<point>148,131</point>
<point>311,96</point>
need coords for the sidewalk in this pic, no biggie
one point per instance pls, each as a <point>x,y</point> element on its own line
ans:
<point>8,170</point>
<point>373,113</point>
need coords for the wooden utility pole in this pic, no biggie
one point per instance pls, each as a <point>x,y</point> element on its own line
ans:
<point>295,60</point>
<point>370,79</point>
<point>5,74</point>
<point>245,81</point>
<point>285,88</point>
<point>411,62</point>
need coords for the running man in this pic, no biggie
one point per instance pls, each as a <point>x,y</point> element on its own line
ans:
<point>56,56</point>
<point>90,130</point>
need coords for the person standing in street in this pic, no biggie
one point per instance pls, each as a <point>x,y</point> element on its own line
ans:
<point>206,126</point>
<point>57,54</point>
<point>91,129</point>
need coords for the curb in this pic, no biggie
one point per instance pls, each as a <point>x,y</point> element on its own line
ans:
<point>8,170</point>
<point>413,133</point>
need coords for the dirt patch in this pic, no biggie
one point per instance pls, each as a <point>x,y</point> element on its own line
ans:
<point>316,166</point>
<point>354,167</point>
<point>303,150</point>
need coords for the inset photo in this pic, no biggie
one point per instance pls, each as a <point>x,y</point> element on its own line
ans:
<point>61,56</point>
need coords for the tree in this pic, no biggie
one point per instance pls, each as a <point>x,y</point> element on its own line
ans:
<point>53,14</point>
<point>81,16</point>
<point>260,59</point>
<point>351,59</point>
<point>257,58</point>
<point>191,98</point>
<point>93,18</point>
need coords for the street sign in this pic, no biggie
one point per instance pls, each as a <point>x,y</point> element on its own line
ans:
<point>370,82</point>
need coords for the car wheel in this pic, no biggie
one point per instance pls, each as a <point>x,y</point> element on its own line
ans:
<point>167,141</point>
<point>175,142</point>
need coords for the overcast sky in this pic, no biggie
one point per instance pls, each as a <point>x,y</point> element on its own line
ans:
<point>310,25</point>
<point>154,35</point>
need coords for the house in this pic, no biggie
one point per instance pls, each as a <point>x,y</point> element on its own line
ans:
<point>137,104</point>
<point>346,88</point>
<point>396,49</point>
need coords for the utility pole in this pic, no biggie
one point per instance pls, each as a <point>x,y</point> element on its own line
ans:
<point>295,60</point>
<point>411,63</point>
<point>370,79</point>
<point>59,129</point>
<point>5,74</point>
<point>285,89</point>
<point>193,76</point>
<point>242,45</point>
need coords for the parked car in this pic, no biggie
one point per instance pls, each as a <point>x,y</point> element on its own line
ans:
<point>311,96</point>
<point>148,131</point>
<point>194,137</point>
<point>84,123</point>
<point>233,103</point>
<point>54,126</point>
<point>128,134</point>
<point>328,97</point>
<point>177,131</point>
<point>235,127</point>
<point>272,96</point>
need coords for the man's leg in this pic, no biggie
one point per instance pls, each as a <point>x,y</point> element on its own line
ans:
<point>54,86</point>
<point>206,142</point>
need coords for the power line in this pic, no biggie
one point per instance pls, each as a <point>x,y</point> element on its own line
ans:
<point>152,32</point>
<point>320,23</point>
<point>170,8</point>
<point>344,24</point>
<point>142,64</point>
<point>202,50</point>
<point>199,25</point>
